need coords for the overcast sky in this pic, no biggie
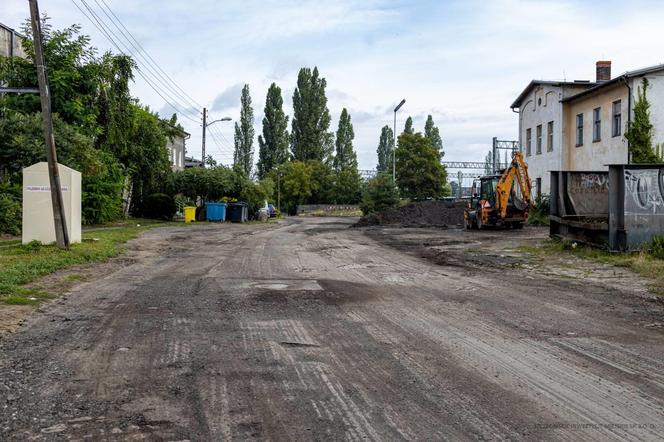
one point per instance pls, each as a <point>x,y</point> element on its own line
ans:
<point>463,62</point>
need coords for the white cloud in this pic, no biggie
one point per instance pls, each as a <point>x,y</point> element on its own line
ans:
<point>228,99</point>
<point>461,61</point>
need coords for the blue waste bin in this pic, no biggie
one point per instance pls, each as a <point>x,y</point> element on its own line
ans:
<point>215,211</point>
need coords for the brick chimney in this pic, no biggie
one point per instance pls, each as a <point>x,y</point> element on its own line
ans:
<point>603,72</point>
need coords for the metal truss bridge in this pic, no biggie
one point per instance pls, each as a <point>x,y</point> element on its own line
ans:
<point>474,165</point>
<point>496,146</point>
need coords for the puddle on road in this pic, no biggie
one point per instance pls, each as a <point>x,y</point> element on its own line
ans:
<point>274,284</point>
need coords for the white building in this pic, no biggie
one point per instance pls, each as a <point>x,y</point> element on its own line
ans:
<point>541,127</point>
<point>581,125</point>
<point>175,144</point>
<point>596,119</point>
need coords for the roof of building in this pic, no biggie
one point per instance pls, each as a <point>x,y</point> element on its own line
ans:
<point>534,83</point>
<point>610,83</point>
<point>3,26</point>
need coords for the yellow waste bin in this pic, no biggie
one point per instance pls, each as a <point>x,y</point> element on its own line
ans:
<point>189,214</point>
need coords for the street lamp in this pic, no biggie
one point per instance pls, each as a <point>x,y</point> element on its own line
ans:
<point>394,148</point>
<point>205,126</point>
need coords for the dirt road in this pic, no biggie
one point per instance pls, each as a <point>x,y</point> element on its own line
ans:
<point>310,330</point>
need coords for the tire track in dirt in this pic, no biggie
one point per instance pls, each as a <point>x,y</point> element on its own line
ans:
<point>309,330</point>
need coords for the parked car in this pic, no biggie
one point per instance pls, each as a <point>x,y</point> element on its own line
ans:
<point>272,211</point>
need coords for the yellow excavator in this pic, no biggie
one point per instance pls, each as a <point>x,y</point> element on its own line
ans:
<point>503,199</point>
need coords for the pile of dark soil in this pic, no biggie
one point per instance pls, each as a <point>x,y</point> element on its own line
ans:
<point>419,214</point>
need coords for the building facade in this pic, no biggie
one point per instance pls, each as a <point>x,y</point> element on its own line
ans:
<point>11,42</point>
<point>594,129</point>
<point>597,119</point>
<point>581,125</point>
<point>541,127</point>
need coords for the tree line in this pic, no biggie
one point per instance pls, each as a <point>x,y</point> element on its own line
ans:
<point>119,144</point>
<point>101,130</point>
<point>317,165</point>
<point>308,164</point>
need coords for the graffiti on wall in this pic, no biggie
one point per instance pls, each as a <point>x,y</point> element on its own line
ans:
<point>588,193</point>
<point>590,183</point>
<point>644,191</point>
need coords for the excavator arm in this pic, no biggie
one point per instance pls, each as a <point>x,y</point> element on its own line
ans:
<point>518,170</point>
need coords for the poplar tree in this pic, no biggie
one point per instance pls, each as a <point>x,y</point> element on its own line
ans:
<point>640,131</point>
<point>243,156</point>
<point>432,134</point>
<point>273,144</point>
<point>345,158</point>
<point>385,147</point>
<point>310,139</point>
<point>408,128</point>
<point>348,184</point>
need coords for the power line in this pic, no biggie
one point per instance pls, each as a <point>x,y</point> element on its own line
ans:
<point>152,81</point>
<point>217,131</point>
<point>152,65</point>
<point>158,79</point>
<point>148,54</point>
<point>97,22</point>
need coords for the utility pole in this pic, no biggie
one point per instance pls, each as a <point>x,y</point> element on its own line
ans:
<point>61,234</point>
<point>204,127</point>
<point>494,153</point>
<point>394,148</point>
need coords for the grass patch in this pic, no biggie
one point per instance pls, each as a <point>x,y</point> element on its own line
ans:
<point>23,264</point>
<point>642,263</point>
<point>74,277</point>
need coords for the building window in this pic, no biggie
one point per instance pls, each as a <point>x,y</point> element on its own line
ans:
<point>597,124</point>
<point>528,141</point>
<point>538,187</point>
<point>539,139</point>
<point>549,137</point>
<point>617,119</point>
<point>579,130</point>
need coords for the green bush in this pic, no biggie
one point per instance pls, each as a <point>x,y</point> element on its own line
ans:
<point>255,194</point>
<point>33,246</point>
<point>102,190</point>
<point>159,206</point>
<point>656,247</point>
<point>10,215</point>
<point>539,212</point>
<point>380,194</point>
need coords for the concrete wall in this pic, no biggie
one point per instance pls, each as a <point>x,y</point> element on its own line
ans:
<point>595,155</point>
<point>541,106</point>
<point>643,205</point>
<point>621,208</point>
<point>6,48</point>
<point>580,206</point>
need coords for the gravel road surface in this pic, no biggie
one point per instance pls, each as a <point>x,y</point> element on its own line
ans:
<point>311,330</point>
